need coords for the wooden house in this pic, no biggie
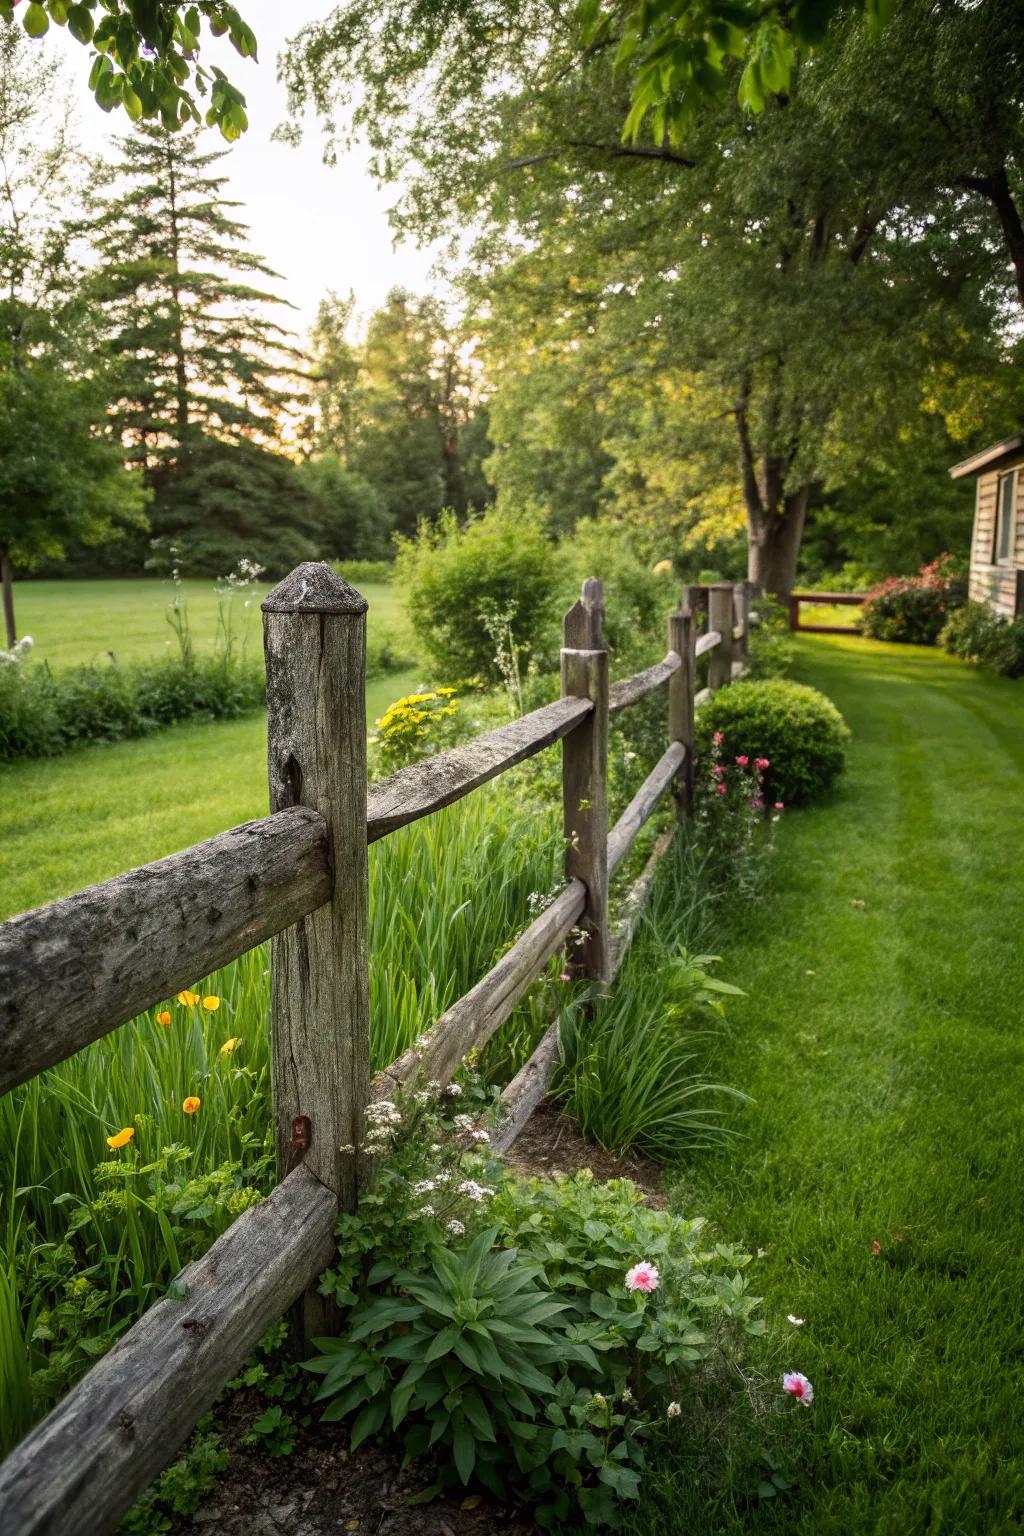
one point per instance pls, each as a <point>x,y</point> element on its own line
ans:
<point>997,545</point>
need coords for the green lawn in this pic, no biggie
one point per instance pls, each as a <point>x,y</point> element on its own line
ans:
<point>98,810</point>
<point>881,1042</point>
<point>81,621</point>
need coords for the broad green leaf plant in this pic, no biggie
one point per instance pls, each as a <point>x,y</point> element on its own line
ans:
<point>146,55</point>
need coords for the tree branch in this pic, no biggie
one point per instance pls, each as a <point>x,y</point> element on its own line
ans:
<point>996,188</point>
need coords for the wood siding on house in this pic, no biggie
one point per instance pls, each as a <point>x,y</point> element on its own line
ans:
<point>1001,586</point>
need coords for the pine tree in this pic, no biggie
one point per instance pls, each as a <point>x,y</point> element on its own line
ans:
<point>199,351</point>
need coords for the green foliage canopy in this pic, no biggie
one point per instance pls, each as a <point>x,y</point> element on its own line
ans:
<point>146,55</point>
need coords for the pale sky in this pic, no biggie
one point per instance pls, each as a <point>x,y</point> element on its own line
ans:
<point>320,227</point>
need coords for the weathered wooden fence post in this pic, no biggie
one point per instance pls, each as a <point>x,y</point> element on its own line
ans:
<point>585,777</point>
<point>720,619</point>
<point>682,638</point>
<point>743,599</point>
<point>315,641</point>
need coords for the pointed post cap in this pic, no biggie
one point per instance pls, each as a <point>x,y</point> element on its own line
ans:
<point>314,587</point>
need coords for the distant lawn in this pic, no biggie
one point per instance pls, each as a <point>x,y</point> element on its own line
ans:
<point>98,810</point>
<point>81,621</point>
<point>881,1042</point>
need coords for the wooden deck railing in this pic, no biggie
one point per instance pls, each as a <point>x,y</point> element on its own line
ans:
<point>73,971</point>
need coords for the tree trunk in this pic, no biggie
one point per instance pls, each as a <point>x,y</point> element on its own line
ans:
<point>774,543</point>
<point>7,581</point>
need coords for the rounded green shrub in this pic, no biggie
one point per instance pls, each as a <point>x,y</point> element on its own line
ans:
<point>796,728</point>
<point>911,610</point>
<point>460,585</point>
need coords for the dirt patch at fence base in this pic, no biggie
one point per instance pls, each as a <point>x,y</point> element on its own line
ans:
<point>322,1490</point>
<point>550,1144</point>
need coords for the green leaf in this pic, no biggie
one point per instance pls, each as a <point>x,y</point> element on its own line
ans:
<point>463,1449</point>
<point>35,21</point>
<point>369,1421</point>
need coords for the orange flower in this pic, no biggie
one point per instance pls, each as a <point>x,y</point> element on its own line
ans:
<point>163,1017</point>
<point>211,1004</point>
<point>188,999</point>
<point>121,1139</point>
<point>228,1048</point>
<point>191,1105</point>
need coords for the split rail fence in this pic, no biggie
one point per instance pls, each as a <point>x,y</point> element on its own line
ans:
<point>75,970</point>
<point>824,600</point>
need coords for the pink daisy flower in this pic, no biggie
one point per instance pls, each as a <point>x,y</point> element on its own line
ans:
<point>642,1277</point>
<point>797,1385</point>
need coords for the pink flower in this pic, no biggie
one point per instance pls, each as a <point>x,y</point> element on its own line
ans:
<point>797,1385</point>
<point>757,803</point>
<point>718,738</point>
<point>780,805</point>
<point>719,770</point>
<point>742,762</point>
<point>642,1277</point>
<point>761,763</point>
<point>721,789</point>
<point>565,976</point>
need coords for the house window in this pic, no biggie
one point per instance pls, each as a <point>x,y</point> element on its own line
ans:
<point>1006,503</point>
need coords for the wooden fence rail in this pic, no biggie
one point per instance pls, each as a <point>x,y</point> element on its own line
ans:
<point>73,971</point>
<point>824,600</point>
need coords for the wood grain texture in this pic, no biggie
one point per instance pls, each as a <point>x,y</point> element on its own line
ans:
<point>79,1471</point>
<point>526,1090</point>
<point>631,689</point>
<point>720,619</point>
<point>585,806</point>
<point>315,644</point>
<point>636,901</point>
<point>73,971</point>
<point>583,625</point>
<point>430,785</point>
<point>644,803</point>
<point>681,686</point>
<point>470,1023</point>
<point>707,642</point>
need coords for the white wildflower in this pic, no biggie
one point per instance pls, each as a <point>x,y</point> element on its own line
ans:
<point>426,1210</point>
<point>456,1229</point>
<point>424,1187</point>
<point>454,1091</point>
<point>481,1137</point>
<point>463,1122</point>
<point>474,1191</point>
<point>673,1410</point>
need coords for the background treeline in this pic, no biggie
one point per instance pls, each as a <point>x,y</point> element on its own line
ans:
<point>774,337</point>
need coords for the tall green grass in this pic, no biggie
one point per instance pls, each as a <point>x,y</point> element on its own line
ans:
<point>89,1236</point>
<point>634,1071</point>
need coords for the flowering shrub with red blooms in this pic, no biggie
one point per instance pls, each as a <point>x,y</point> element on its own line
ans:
<point>730,810</point>
<point>912,609</point>
<point>795,732</point>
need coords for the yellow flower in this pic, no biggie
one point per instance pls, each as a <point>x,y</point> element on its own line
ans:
<point>211,1004</point>
<point>188,999</point>
<point>191,1105</point>
<point>163,1017</point>
<point>662,567</point>
<point>121,1139</point>
<point>228,1048</point>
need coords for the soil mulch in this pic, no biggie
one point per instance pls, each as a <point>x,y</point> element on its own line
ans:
<point>550,1144</point>
<point>321,1489</point>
